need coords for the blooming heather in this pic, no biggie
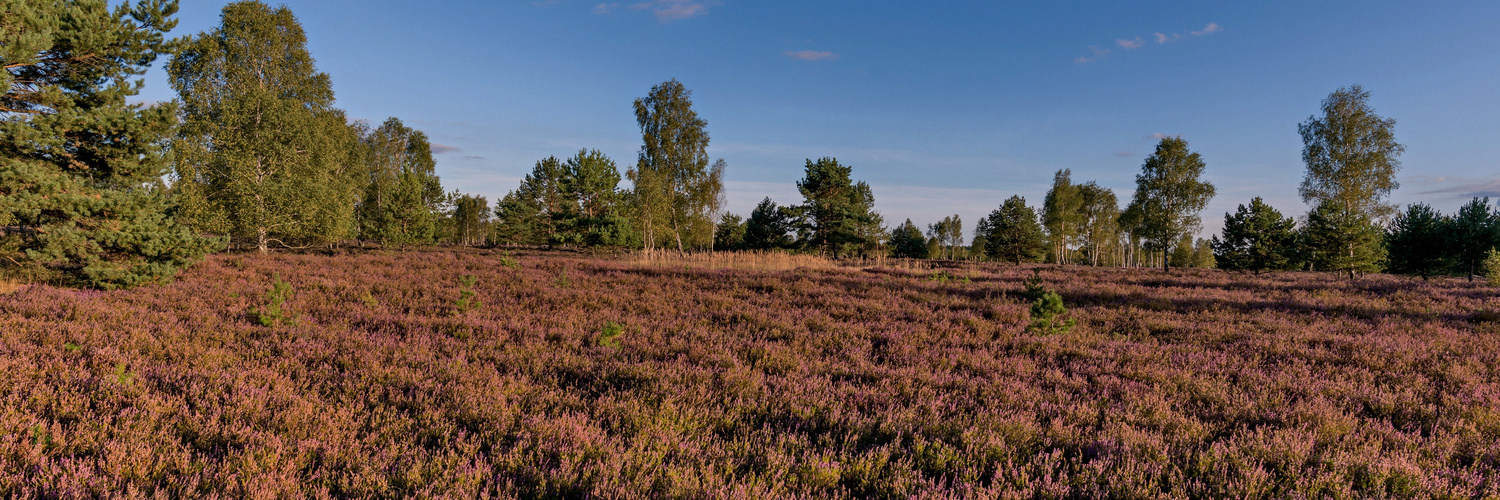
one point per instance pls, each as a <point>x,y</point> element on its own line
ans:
<point>814,383</point>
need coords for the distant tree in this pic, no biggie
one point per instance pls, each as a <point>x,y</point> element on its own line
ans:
<point>1182,252</point>
<point>530,214</point>
<point>1060,214</point>
<point>1203,254</point>
<point>1351,154</point>
<point>730,235</point>
<point>769,227</point>
<point>1416,242</point>
<point>907,242</point>
<point>1014,233</point>
<point>402,190</point>
<point>1169,195</point>
<point>262,154</point>
<point>1341,239</point>
<point>1472,233</point>
<point>837,214</point>
<point>594,211</point>
<point>1097,220</point>
<point>976,248</point>
<point>81,168</point>
<point>949,233</point>
<point>677,193</point>
<point>471,215</point>
<point>1256,238</point>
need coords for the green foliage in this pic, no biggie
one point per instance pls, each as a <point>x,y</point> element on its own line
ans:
<point>907,242</point>
<point>1047,308</point>
<point>949,233</point>
<point>770,226</point>
<point>1060,214</point>
<point>274,312</point>
<point>730,235</point>
<point>1256,238</point>
<point>402,193</point>
<point>677,193</point>
<point>944,277</point>
<point>1471,233</point>
<point>1337,238</point>
<point>1351,154</point>
<point>609,336</point>
<point>123,375</point>
<point>1492,267</point>
<point>468,299</point>
<point>508,261</point>
<point>837,215</point>
<point>1168,196</point>
<point>1097,221</point>
<point>574,202</point>
<point>1416,242</point>
<point>470,219</point>
<point>262,154</point>
<point>1013,233</point>
<point>80,168</point>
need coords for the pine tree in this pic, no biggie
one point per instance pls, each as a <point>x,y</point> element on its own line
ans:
<point>262,154</point>
<point>532,214</point>
<point>730,234</point>
<point>1256,238</point>
<point>1014,233</point>
<point>81,170</point>
<point>1415,242</point>
<point>1472,233</point>
<point>907,242</point>
<point>1341,239</point>
<point>1169,196</point>
<point>838,214</point>
<point>769,226</point>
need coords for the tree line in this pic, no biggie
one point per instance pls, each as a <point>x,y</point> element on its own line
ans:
<point>254,154</point>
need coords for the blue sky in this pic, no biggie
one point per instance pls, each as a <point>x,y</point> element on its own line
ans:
<point>943,107</point>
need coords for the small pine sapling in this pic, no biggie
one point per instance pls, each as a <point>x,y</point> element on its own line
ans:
<point>468,300</point>
<point>274,313</point>
<point>1046,308</point>
<point>609,337</point>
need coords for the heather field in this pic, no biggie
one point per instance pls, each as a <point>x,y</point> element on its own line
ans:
<point>563,376</point>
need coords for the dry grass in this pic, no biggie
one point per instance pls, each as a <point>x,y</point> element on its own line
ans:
<point>7,287</point>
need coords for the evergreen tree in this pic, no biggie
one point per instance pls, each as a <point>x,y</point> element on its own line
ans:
<point>1169,196</point>
<point>1060,214</point>
<point>769,226</point>
<point>730,235</point>
<point>1472,234</point>
<point>1014,233</point>
<point>1341,239</point>
<point>594,210</point>
<point>81,169</point>
<point>677,193</point>
<point>1415,242</point>
<point>1256,238</point>
<point>837,214</point>
<point>262,153</point>
<point>402,191</point>
<point>907,242</point>
<point>532,214</point>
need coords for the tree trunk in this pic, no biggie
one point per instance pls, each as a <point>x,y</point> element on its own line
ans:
<point>1166,259</point>
<point>260,239</point>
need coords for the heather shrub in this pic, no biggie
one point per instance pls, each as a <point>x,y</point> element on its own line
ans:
<point>273,313</point>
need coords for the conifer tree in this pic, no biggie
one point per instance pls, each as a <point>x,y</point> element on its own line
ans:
<point>1014,233</point>
<point>1472,233</point>
<point>1341,239</point>
<point>769,226</point>
<point>1416,242</point>
<point>838,214</point>
<point>262,154</point>
<point>730,233</point>
<point>1256,238</point>
<point>907,242</point>
<point>1169,195</point>
<point>81,170</point>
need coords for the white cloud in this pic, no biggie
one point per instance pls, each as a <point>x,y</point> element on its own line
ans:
<point>1211,28</point>
<point>811,55</point>
<point>1157,136</point>
<point>1138,42</point>
<point>666,10</point>
<point>605,8</point>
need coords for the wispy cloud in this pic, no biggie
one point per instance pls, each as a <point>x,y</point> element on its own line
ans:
<point>1157,136</point>
<point>1459,187</point>
<point>444,148</point>
<point>1140,41</point>
<point>811,55</point>
<point>1211,28</point>
<point>666,11</point>
<point>470,158</point>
